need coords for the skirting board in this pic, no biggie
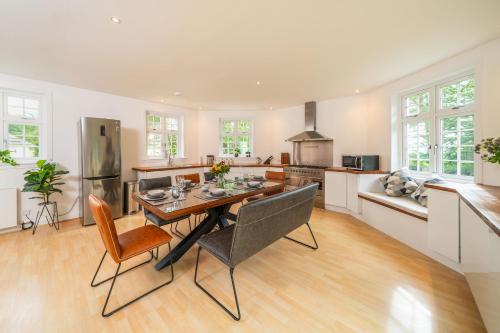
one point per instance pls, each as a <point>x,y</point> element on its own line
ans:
<point>18,228</point>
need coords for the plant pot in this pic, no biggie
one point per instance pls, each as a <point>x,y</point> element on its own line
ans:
<point>236,154</point>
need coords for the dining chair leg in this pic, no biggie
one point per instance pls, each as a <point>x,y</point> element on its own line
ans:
<point>146,222</point>
<point>315,247</point>
<point>94,284</point>
<point>177,232</point>
<point>231,271</point>
<point>104,314</point>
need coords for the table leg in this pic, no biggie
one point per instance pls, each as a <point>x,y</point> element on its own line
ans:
<point>215,216</point>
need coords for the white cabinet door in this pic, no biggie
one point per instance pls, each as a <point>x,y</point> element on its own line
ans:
<point>336,189</point>
<point>8,207</point>
<point>352,193</point>
<point>443,224</point>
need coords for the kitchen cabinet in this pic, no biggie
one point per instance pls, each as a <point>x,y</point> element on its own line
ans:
<point>336,189</point>
<point>443,223</point>
<point>480,262</point>
<point>352,193</point>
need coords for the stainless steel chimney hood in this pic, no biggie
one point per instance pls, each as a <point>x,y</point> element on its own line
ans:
<point>310,133</point>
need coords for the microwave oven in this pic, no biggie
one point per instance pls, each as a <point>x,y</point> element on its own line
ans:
<point>361,162</point>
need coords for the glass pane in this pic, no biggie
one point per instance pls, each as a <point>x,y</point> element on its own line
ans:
<point>467,138</point>
<point>450,139</point>
<point>467,153</point>
<point>450,153</point>
<point>228,126</point>
<point>244,126</point>
<point>15,101</point>
<point>16,134</point>
<point>31,103</point>
<point>416,104</point>
<point>172,124</point>
<point>467,169</point>
<point>412,165</point>
<point>15,111</point>
<point>32,152</point>
<point>424,165</point>
<point>16,151</point>
<point>467,123</point>
<point>31,113</point>
<point>450,167</point>
<point>450,124</point>
<point>173,143</point>
<point>154,122</point>
<point>244,143</point>
<point>154,144</point>
<point>458,94</point>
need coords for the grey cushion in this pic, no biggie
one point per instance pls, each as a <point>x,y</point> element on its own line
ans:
<point>218,243</point>
<point>161,222</point>
<point>398,183</point>
<point>421,194</point>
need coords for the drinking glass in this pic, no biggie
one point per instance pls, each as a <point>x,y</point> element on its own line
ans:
<point>175,192</point>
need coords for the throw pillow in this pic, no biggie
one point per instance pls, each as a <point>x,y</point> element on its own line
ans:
<point>421,194</point>
<point>399,183</point>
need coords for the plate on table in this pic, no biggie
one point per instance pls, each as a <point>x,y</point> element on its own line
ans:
<point>217,192</point>
<point>254,184</point>
<point>157,195</point>
<point>258,178</point>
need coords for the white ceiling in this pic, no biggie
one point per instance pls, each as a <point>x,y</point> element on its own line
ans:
<point>215,51</point>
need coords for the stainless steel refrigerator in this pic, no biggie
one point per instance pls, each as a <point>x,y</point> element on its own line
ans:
<point>100,164</point>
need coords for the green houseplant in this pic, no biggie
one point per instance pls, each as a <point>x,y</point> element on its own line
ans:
<point>237,152</point>
<point>489,149</point>
<point>43,180</point>
<point>5,157</point>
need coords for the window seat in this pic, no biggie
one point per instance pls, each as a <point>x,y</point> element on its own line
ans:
<point>403,205</point>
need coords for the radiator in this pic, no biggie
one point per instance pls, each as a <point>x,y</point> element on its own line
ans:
<point>8,208</point>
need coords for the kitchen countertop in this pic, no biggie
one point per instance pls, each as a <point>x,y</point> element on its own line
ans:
<point>482,199</point>
<point>359,172</point>
<point>193,166</point>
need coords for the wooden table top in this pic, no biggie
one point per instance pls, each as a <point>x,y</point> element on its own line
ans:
<point>482,199</point>
<point>193,204</point>
<point>194,166</point>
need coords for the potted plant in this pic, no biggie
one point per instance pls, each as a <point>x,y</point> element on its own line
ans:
<point>237,152</point>
<point>489,149</point>
<point>43,180</point>
<point>5,157</point>
<point>219,170</point>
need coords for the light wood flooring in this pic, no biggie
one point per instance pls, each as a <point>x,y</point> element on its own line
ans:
<point>358,281</point>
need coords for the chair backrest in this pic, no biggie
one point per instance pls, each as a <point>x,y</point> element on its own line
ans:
<point>154,183</point>
<point>275,176</point>
<point>104,220</point>
<point>208,176</point>
<point>194,177</point>
<point>262,222</point>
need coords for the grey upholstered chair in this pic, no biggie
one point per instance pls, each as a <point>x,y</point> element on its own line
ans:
<point>259,224</point>
<point>155,183</point>
<point>208,176</point>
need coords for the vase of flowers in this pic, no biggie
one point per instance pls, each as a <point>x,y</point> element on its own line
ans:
<point>219,170</point>
<point>489,149</point>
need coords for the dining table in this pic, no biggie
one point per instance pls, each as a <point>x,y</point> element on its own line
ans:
<point>194,200</point>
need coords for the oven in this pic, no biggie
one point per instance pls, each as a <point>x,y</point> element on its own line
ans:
<point>302,175</point>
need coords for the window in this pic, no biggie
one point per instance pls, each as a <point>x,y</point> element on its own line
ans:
<point>438,128</point>
<point>235,133</point>
<point>164,135</point>
<point>23,129</point>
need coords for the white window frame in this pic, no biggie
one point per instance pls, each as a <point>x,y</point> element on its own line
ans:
<point>44,122</point>
<point>235,135</point>
<point>435,116</point>
<point>164,134</point>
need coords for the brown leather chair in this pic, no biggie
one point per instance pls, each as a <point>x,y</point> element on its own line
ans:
<point>274,176</point>
<point>125,246</point>
<point>195,178</point>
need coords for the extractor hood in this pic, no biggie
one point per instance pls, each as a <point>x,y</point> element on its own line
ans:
<point>309,133</point>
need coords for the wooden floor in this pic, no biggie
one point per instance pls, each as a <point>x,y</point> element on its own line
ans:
<point>358,281</point>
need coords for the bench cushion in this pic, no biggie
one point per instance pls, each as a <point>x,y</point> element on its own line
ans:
<point>404,205</point>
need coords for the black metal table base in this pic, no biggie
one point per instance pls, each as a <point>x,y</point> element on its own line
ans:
<point>216,216</point>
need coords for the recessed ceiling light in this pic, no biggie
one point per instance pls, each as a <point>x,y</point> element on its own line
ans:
<point>162,100</point>
<point>200,108</point>
<point>178,93</point>
<point>271,108</point>
<point>357,91</point>
<point>258,83</point>
<point>115,20</point>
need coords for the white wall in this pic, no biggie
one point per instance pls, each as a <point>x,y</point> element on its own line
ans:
<point>484,61</point>
<point>68,105</point>
<point>342,119</point>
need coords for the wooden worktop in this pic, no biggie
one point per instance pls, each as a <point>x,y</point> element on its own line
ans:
<point>482,199</point>
<point>358,172</point>
<point>193,166</point>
